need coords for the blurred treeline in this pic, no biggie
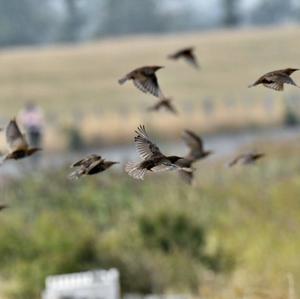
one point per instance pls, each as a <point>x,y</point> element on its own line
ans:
<point>29,22</point>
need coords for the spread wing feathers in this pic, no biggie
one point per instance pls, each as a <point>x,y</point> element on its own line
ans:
<point>14,138</point>
<point>283,78</point>
<point>186,176</point>
<point>169,106</point>
<point>148,84</point>
<point>274,85</point>
<point>243,159</point>
<point>93,164</point>
<point>276,81</point>
<point>135,171</point>
<point>145,147</point>
<point>236,160</point>
<point>192,60</point>
<point>194,142</point>
<point>87,161</point>
<point>164,167</point>
<point>84,169</point>
<point>164,104</point>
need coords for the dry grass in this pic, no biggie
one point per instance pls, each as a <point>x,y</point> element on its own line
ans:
<point>81,81</point>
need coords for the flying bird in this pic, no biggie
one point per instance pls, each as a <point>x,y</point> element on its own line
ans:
<point>195,144</point>
<point>276,79</point>
<point>187,54</point>
<point>17,143</point>
<point>144,78</point>
<point>246,159</point>
<point>153,159</point>
<point>197,152</point>
<point>165,103</point>
<point>90,165</point>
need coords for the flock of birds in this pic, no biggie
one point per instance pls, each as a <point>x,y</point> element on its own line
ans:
<point>153,160</point>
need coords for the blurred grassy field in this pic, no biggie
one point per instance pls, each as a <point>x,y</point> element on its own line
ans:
<point>251,214</point>
<point>79,83</point>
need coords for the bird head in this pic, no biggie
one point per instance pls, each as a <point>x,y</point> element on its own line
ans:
<point>110,163</point>
<point>207,153</point>
<point>33,150</point>
<point>173,159</point>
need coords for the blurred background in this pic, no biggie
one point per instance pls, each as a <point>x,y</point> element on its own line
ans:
<point>233,234</point>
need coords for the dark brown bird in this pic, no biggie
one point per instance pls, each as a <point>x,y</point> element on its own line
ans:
<point>17,143</point>
<point>165,103</point>
<point>246,159</point>
<point>195,144</point>
<point>187,54</point>
<point>276,79</point>
<point>90,165</point>
<point>144,78</point>
<point>197,152</point>
<point>153,159</point>
<point>3,206</point>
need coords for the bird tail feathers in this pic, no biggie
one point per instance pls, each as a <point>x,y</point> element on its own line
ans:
<point>75,175</point>
<point>135,171</point>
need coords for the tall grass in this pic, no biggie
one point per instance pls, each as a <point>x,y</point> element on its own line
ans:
<point>249,217</point>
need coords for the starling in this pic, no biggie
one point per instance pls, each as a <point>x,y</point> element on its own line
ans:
<point>164,103</point>
<point>90,165</point>
<point>188,54</point>
<point>17,143</point>
<point>247,159</point>
<point>195,144</point>
<point>153,159</point>
<point>197,152</point>
<point>3,206</point>
<point>144,78</point>
<point>276,79</point>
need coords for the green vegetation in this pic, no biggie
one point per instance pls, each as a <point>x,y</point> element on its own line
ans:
<point>234,231</point>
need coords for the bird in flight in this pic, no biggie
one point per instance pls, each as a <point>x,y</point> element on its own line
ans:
<point>195,144</point>
<point>165,103</point>
<point>17,143</point>
<point>153,159</point>
<point>144,78</point>
<point>187,54</point>
<point>90,165</point>
<point>276,79</point>
<point>196,152</point>
<point>246,159</point>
